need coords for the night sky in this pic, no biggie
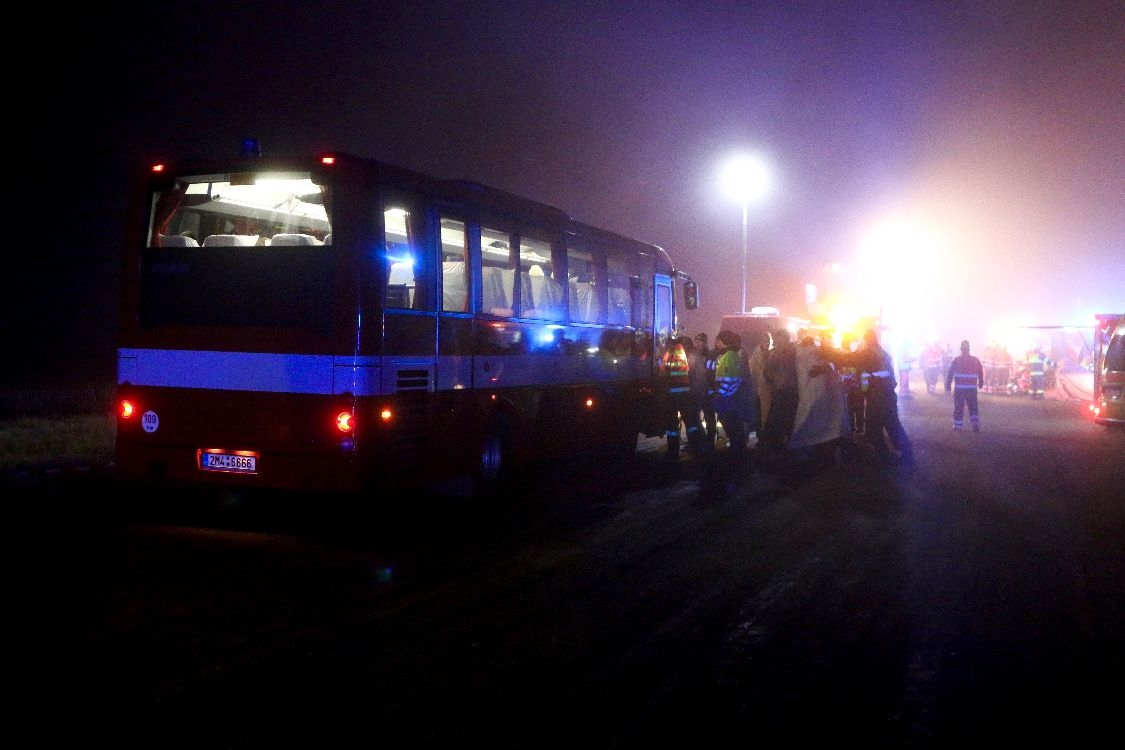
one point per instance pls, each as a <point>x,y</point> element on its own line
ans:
<point>994,131</point>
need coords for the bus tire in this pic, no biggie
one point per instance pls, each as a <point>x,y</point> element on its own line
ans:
<point>494,456</point>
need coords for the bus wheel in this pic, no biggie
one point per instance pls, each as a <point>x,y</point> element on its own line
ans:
<point>495,454</point>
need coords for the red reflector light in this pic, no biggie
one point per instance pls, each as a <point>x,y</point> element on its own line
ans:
<point>328,160</point>
<point>345,422</point>
<point>157,167</point>
<point>126,409</point>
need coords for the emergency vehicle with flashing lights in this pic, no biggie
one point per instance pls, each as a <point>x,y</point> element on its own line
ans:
<point>1108,404</point>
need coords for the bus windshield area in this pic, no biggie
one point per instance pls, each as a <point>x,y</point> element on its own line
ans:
<point>247,209</point>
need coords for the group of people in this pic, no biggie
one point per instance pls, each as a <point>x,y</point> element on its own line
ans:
<point>791,394</point>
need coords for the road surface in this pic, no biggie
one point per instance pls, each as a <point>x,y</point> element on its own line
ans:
<point>976,598</point>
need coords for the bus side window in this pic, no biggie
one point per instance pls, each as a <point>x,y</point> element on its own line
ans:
<point>454,266</point>
<point>620,299</point>
<point>540,293</point>
<point>400,282</point>
<point>498,273</point>
<point>583,271</point>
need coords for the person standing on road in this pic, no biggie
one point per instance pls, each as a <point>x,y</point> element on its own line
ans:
<point>881,420</point>
<point>678,405</point>
<point>757,364</point>
<point>931,366</point>
<point>781,378</point>
<point>821,425</point>
<point>699,380</point>
<point>730,389</point>
<point>1037,370</point>
<point>706,392</point>
<point>966,375</point>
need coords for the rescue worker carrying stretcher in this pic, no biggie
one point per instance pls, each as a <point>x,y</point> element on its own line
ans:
<point>966,375</point>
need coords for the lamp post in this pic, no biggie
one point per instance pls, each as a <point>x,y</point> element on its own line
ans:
<point>746,179</point>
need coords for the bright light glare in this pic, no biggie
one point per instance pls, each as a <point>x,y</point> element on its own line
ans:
<point>746,179</point>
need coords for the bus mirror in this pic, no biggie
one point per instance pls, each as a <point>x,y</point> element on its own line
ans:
<point>691,295</point>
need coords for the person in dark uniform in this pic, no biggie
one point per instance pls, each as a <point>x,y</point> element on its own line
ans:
<point>877,380</point>
<point>966,375</point>
<point>707,358</point>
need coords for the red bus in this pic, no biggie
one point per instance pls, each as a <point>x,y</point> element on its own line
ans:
<point>339,324</point>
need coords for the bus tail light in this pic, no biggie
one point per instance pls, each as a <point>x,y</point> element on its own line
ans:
<point>345,422</point>
<point>126,409</point>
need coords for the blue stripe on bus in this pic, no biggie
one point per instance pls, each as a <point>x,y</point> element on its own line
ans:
<point>242,371</point>
<point>364,376</point>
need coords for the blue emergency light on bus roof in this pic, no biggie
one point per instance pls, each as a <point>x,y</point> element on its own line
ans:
<point>251,147</point>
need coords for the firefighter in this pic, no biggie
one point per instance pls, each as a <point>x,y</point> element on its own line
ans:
<point>675,376</point>
<point>966,375</point>
<point>1037,372</point>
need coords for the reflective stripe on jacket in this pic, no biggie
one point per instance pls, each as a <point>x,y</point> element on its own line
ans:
<point>728,373</point>
<point>966,371</point>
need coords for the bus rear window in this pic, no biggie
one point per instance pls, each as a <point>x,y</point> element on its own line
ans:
<point>240,210</point>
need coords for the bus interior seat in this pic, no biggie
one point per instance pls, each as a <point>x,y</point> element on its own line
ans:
<point>454,287</point>
<point>583,301</point>
<point>546,294</point>
<point>494,290</point>
<point>287,238</point>
<point>177,240</point>
<point>231,240</point>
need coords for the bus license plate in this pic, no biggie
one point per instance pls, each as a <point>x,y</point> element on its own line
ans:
<point>237,462</point>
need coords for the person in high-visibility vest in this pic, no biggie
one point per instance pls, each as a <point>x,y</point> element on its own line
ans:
<point>966,376</point>
<point>732,390</point>
<point>675,378</point>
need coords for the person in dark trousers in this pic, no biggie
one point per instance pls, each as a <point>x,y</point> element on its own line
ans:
<point>966,376</point>
<point>730,389</point>
<point>675,374</point>
<point>877,379</point>
<point>703,386</point>
<point>781,377</point>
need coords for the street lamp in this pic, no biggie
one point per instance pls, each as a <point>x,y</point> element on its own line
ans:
<point>746,179</point>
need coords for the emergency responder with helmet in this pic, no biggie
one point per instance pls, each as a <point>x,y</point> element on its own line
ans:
<point>966,375</point>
